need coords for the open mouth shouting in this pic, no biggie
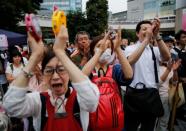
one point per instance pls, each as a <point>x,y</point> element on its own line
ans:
<point>58,88</point>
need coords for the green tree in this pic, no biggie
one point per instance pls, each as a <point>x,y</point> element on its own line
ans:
<point>13,11</point>
<point>129,34</point>
<point>76,22</point>
<point>97,16</point>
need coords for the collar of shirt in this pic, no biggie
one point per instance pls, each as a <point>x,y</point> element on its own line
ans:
<point>138,43</point>
<point>53,99</point>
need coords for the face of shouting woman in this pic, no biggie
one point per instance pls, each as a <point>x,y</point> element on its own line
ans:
<point>56,77</point>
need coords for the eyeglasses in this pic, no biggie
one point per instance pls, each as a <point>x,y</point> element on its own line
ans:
<point>48,71</point>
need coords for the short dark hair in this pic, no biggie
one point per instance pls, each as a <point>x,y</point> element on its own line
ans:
<point>179,33</point>
<point>93,43</point>
<point>138,27</point>
<point>47,57</point>
<point>81,33</point>
<point>14,52</point>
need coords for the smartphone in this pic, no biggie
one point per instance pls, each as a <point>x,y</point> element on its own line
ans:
<point>58,19</point>
<point>32,25</point>
<point>112,33</point>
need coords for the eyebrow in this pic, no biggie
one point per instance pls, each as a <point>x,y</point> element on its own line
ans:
<point>54,67</point>
<point>49,67</point>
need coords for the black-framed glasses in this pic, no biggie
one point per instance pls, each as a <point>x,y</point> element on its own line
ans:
<point>50,71</point>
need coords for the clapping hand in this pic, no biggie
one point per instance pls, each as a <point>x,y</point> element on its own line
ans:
<point>61,40</point>
<point>103,44</point>
<point>176,64</point>
<point>149,34</point>
<point>37,48</point>
<point>156,27</point>
<point>117,40</point>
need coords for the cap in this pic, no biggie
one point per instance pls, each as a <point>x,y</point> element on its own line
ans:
<point>168,39</point>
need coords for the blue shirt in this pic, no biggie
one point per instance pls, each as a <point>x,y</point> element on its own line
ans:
<point>118,76</point>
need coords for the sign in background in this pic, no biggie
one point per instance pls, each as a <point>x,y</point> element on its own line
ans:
<point>180,3</point>
<point>184,19</point>
<point>3,41</point>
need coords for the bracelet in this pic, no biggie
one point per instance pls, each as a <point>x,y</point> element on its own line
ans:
<point>27,74</point>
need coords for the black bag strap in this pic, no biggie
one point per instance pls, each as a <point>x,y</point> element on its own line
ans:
<point>12,67</point>
<point>155,65</point>
<point>177,50</point>
<point>101,72</point>
<point>43,111</point>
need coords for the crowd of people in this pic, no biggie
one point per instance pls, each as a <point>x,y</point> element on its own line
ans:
<point>98,84</point>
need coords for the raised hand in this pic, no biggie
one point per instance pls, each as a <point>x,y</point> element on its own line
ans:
<point>103,44</point>
<point>176,64</point>
<point>170,65</point>
<point>61,40</point>
<point>37,48</point>
<point>156,26</point>
<point>117,40</point>
<point>86,50</point>
<point>149,34</point>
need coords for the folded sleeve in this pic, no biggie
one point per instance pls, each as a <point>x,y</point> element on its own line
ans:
<point>18,103</point>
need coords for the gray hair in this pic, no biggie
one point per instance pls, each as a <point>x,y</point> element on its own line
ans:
<point>4,122</point>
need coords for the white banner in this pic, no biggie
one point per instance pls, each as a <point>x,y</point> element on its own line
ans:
<point>180,3</point>
<point>184,19</point>
<point>3,41</point>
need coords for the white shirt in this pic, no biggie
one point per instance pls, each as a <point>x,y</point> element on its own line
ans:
<point>18,103</point>
<point>16,70</point>
<point>164,86</point>
<point>144,67</point>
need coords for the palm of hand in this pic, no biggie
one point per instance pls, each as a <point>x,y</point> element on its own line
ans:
<point>61,39</point>
<point>116,43</point>
<point>176,65</point>
<point>103,45</point>
<point>36,47</point>
<point>156,26</point>
<point>117,40</point>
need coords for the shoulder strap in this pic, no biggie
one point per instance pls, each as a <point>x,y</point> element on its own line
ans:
<point>11,67</point>
<point>107,73</point>
<point>43,111</point>
<point>1,67</point>
<point>155,65</point>
<point>101,72</point>
<point>23,64</point>
<point>76,111</point>
<point>176,49</point>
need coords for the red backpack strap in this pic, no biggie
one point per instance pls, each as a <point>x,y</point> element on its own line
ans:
<point>108,72</point>
<point>43,97</point>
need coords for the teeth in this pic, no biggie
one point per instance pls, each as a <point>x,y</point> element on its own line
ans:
<point>57,85</point>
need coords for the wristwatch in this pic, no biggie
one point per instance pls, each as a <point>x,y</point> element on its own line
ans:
<point>27,74</point>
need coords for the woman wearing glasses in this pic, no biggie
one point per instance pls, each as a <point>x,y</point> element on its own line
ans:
<point>53,110</point>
